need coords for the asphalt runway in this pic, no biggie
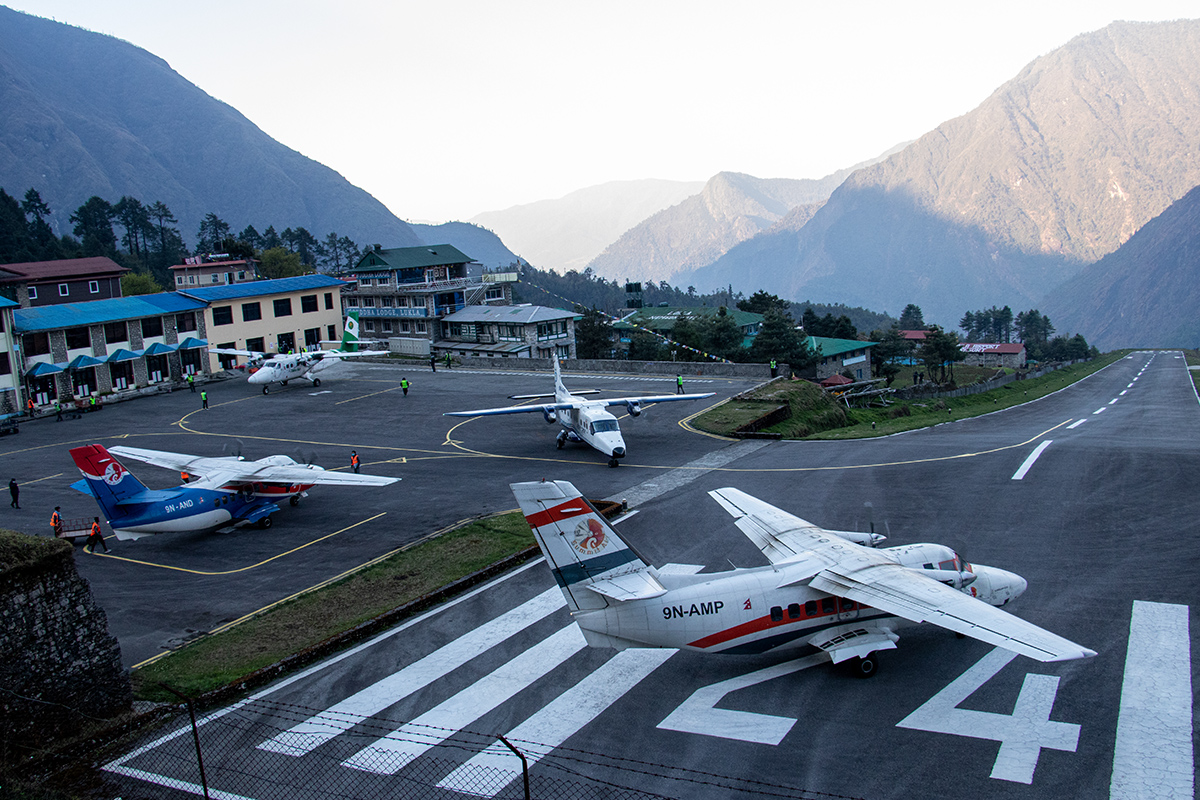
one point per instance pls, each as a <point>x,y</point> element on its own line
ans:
<point>1089,494</point>
<point>161,591</point>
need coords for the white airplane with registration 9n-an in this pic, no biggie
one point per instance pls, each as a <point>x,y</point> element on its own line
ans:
<point>282,367</point>
<point>835,591</point>
<point>586,421</point>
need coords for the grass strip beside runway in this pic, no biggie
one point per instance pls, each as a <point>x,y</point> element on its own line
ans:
<point>315,616</point>
<point>816,415</point>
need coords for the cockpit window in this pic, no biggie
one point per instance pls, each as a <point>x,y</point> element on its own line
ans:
<point>603,425</point>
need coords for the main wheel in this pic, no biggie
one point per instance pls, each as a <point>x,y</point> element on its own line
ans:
<point>559,443</point>
<point>265,523</point>
<point>295,501</point>
<point>316,381</point>
<point>863,667</point>
<point>266,389</point>
<point>284,383</point>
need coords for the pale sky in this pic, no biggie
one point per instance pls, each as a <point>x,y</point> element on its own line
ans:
<point>446,109</point>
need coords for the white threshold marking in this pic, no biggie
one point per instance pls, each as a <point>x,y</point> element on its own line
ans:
<point>1110,402</point>
<point>1122,394</point>
<point>1022,734</point>
<point>342,716</point>
<point>699,714</point>
<point>323,391</point>
<point>486,774</point>
<point>1076,423</point>
<point>1098,410</point>
<point>1152,757</point>
<point>1037,451</point>
<point>390,754</point>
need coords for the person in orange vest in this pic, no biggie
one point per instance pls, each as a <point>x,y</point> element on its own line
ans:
<point>95,537</point>
<point>56,521</point>
<point>354,462</point>
<point>29,405</point>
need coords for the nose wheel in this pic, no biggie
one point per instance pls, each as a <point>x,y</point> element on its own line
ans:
<point>266,389</point>
<point>864,667</point>
<point>612,462</point>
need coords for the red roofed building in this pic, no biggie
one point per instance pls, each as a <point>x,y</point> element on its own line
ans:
<point>985,354</point>
<point>199,274</point>
<point>917,337</point>
<point>67,280</point>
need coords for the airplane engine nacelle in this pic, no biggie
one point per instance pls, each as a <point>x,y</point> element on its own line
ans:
<point>549,415</point>
<point>635,409</point>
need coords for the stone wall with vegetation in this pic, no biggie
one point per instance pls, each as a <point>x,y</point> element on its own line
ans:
<point>60,669</point>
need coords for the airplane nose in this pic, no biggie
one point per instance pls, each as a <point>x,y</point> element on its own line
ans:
<point>618,452</point>
<point>261,376</point>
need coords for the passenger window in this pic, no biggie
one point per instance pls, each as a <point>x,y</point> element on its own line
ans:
<point>810,608</point>
<point>794,611</point>
<point>828,605</point>
<point>776,613</point>
<point>847,605</point>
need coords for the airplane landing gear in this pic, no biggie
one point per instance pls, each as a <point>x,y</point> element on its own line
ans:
<point>864,667</point>
<point>561,439</point>
<point>612,462</point>
<point>266,389</point>
<point>265,523</point>
<point>316,381</point>
<point>283,383</point>
<point>295,501</point>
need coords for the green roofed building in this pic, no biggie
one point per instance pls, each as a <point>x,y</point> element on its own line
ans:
<point>406,291</point>
<point>838,355</point>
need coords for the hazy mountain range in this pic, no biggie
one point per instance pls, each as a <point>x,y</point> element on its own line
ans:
<point>1057,168</point>
<point>567,233</point>
<point>88,114</point>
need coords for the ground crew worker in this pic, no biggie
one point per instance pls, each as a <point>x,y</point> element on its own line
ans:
<point>29,405</point>
<point>91,402</point>
<point>95,537</point>
<point>678,384</point>
<point>191,382</point>
<point>447,361</point>
<point>204,399</point>
<point>58,411</point>
<point>56,521</point>
<point>404,386</point>
<point>773,368</point>
<point>354,462</point>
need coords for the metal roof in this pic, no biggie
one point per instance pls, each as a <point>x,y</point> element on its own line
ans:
<point>434,255</point>
<point>33,271</point>
<point>514,315</point>
<point>663,318</point>
<point>95,312</point>
<point>6,303</point>
<point>236,291</point>
<point>836,347</point>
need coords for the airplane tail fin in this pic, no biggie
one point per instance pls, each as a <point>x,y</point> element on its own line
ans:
<point>350,333</point>
<point>560,391</point>
<point>583,551</point>
<point>108,479</point>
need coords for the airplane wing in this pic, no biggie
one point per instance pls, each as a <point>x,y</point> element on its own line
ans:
<point>907,593</point>
<point>545,408</point>
<point>321,355</point>
<point>229,351</point>
<point>657,398</point>
<point>828,563</point>
<point>220,471</point>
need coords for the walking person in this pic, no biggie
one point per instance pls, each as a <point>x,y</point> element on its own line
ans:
<point>58,417</point>
<point>433,362</point>
<point>355,464</point>
<point>191,379</point>
<point>404,386</point>
<point>15,491</point>
<point>203,398</point>
<point>774,368</point>
<point>678,384</point>
<point>29,406</point>
<point>56,522</point>
<point>95,537</point>
<point>447,361</point>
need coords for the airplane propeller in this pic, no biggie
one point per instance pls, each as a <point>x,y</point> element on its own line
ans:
<point>233,448</point>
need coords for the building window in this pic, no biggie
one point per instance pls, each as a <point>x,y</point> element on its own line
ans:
<point>216,278</point>
<point>93,287</point>
<point>405,326</point>
<point>185,322</point>
<point>222,315</point>
<point>179,280</point>
<point>386,302</point>
<point>312,336</point>
<point>5,367</point>
<point>64,290</point>
<point>368,302</point>
<point>227,361</point>
<point>78,338</point>
<point>241,275</point>
<point>511,333</point>
<point>283,307</point>
<point>192,279</point>
<point>308,303</point>
<point>37,344</point>
<point>552,330</point>
<point>258,345</point>
<point>328,301</point>
<point>369,326</point>
<point>387,326</point>
<point>251,312</point>
<point>33,293</point>
<point>352,302</point>
<point>332,330</point>
<point>151,327</point>
<point>421,328</point>
<point>401,302</point>
<point>495,293</point>
<point>116,332</point>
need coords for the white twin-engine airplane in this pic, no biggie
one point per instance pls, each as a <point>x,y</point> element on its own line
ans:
<point>582,420</point>
<point>283,367</point>
<point>827,589</point>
